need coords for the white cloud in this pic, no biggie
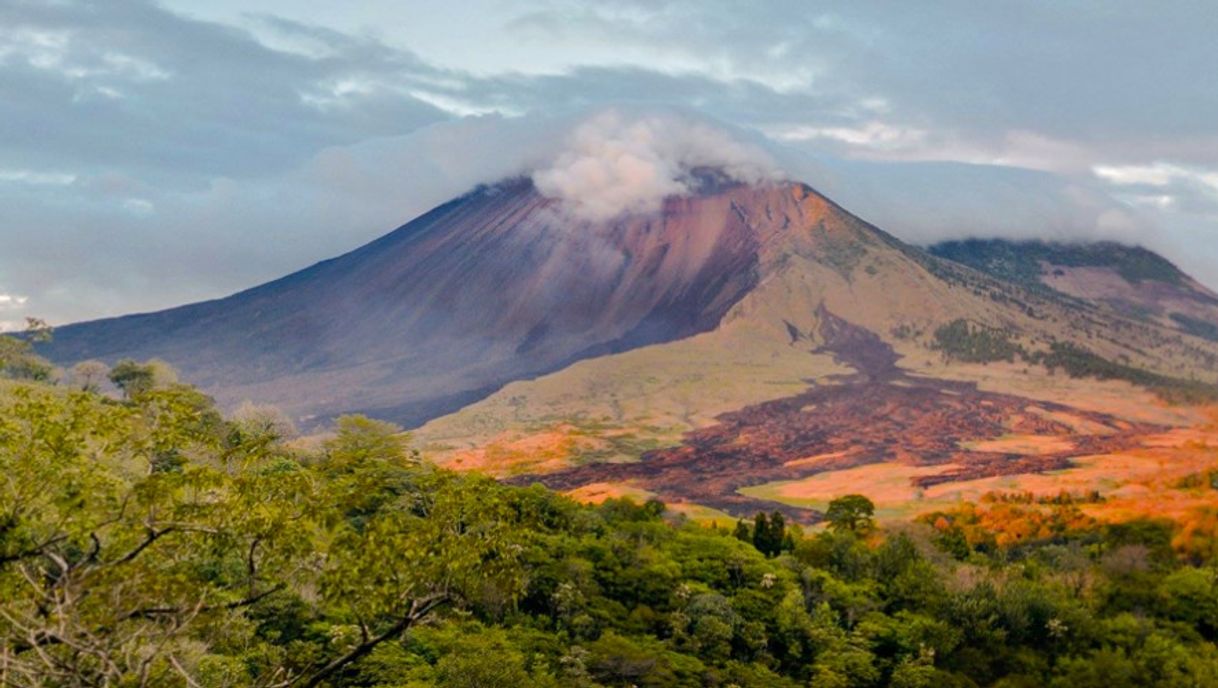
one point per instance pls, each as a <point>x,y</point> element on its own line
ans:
<point>35,177</point>
<point>338,93</point>
<point>926,202</point>
<point>615,162</point>
<point>12,301</point>
<point>1156,201</point>
<point>139,206</point>
<point>871,134</point>
<point>1154,175</point>
<point>54,51</point>
<point>1157,174</point>
<point>132,67</point>
<point>42,49</point>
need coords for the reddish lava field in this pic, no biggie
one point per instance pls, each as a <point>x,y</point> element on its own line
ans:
<point>879,413</point>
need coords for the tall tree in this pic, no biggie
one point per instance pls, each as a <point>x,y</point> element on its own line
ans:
<point>134,379</point>
<point>853,513</point>
<point>761,532</point>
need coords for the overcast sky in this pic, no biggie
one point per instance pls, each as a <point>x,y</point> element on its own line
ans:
<point>157,153</point>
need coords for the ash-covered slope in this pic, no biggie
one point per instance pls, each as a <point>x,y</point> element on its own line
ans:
<point>495,286</point>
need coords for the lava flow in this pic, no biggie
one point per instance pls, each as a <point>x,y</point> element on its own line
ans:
<point>880,413</point>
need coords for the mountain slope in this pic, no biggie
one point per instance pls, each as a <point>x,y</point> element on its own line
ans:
<point>1128,279</point>
<point>491,287</point>
<point>739,416</point>
<point>495,286</point>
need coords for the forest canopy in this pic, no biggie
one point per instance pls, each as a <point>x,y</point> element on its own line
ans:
<point>148,540</point>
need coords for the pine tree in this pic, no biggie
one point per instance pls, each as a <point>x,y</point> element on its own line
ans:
<point>778,532</point>
<point>742,531</point>
<point>761,532</point>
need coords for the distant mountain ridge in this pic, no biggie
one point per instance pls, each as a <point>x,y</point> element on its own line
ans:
<point>1021,261</point>
<point>1130,279</point>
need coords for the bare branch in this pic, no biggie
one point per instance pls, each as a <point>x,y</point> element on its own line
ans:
<point>418,609</point>
<point>153,612</point>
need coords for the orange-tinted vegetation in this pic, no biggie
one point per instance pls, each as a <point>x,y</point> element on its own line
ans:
<point>597,493</point>
<point>1004,524</point>
<point>541,452</point>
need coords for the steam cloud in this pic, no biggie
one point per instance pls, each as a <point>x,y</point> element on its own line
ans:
<point>615,163</point>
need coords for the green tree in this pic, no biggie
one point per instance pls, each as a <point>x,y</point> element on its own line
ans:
<point>742,532</point>
<point>761,532</point>
<point>107,569</point>
<point>778,534</point>
<point>17,357</point>
<point>449,542</point>
<point>134,379</point>
<point>769,533</point>
<point>853,513</point>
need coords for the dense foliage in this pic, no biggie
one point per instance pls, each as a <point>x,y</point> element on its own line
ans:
<point>17,357</point>
<point>151,542</point>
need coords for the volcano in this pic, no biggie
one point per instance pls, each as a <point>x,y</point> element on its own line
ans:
<point>503,284</point>
<point>494,286</point>
<point>721,351</point>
